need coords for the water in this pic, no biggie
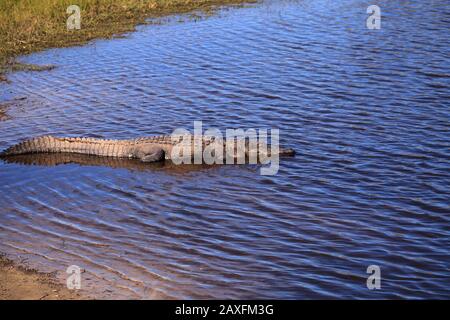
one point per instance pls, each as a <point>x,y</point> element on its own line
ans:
<point>366,110</point>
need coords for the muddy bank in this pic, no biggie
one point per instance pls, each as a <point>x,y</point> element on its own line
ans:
<point>20,283</point>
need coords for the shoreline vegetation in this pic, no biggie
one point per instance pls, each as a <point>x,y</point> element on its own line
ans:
<point>28,26</point>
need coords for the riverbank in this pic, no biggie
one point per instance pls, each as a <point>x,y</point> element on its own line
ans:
<point>20,283</point>
<point>28,26</point>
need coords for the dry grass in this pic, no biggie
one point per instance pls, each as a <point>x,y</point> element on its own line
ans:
<point>32,25</point>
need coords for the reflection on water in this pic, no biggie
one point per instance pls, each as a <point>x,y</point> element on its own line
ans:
<point>366,110</point>
<point>55,159</point>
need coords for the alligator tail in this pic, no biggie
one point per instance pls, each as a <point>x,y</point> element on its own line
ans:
<point>29,146</point>
<point>50,144</point>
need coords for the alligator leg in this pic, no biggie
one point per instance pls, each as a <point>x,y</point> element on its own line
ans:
<point>157,155</point>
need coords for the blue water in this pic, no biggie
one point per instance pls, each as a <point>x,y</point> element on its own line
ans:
<point>366,110</point>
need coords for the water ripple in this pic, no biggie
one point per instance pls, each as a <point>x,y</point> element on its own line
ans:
<point>367,112</point>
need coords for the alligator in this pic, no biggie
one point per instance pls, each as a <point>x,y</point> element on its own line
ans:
<point>146,149</point>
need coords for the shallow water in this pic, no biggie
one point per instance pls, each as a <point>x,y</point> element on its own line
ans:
<point>366,110</point>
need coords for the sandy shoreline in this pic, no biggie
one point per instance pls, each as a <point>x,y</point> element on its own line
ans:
<point>20,283</point>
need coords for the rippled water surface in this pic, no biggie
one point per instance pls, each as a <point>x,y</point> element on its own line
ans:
<point>366,110</point>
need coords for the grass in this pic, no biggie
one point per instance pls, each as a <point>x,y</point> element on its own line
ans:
<point>32,25</point>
